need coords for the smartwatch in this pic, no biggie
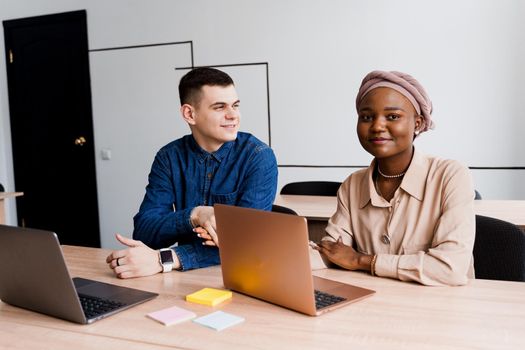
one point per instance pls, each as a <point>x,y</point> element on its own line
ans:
<point>166,259</point>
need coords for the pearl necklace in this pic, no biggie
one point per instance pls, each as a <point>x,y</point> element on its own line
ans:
<point>389,176</point>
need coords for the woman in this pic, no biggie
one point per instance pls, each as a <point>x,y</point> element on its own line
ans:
<point>408,215</point>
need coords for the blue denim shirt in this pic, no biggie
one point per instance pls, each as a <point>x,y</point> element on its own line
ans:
<point>183,176</point>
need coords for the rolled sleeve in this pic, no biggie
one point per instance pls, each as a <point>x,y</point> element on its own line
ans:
<point>387,265</point>
<point>196,255</point>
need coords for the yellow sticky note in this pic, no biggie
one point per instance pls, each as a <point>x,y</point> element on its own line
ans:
<point>209,296</point>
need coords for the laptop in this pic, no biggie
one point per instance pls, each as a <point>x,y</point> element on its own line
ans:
<point>34,276</point>
<point>265,255</point>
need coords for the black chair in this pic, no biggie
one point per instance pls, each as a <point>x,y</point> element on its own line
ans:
<point>312,188</point>
<point>2,189</point>
<point>477,195</point>
<point>499,250</point>
<point>280,209</point>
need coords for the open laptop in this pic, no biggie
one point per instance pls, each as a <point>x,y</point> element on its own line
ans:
<point>34,276</point>
<point>265,255</point>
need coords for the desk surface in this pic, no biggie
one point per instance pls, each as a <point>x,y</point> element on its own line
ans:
<point>322,207</point>
<point>483,315</point>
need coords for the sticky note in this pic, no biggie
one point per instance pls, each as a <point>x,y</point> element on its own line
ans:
<point>172,315</point>
<point>219,320</point>
<point>209,296</point>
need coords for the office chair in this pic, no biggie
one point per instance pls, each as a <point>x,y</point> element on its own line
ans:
<point>477,195</point>
<point>285,210</point>
<point>499,250</point>
<point>312,188</point>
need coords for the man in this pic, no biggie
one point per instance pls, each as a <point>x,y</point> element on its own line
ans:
<point>215,164</point>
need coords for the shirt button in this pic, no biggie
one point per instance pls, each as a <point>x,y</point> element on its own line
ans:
<point>205,202</point>
<point>385,239</point>
<point>210,175</point>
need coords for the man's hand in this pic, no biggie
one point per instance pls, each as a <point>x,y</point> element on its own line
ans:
<point>137,260</point>
<point>203,218</point>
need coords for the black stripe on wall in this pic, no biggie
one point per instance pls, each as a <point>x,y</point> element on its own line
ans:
<point>365,166</point>
<point>190,42</point>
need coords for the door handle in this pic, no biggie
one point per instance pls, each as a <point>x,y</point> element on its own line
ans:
<point>80,141</point>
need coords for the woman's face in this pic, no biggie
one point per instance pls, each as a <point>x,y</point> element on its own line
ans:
<point>386,123</point>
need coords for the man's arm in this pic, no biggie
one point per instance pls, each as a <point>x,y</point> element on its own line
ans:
<point>157,224</point>
<point>260,185</point>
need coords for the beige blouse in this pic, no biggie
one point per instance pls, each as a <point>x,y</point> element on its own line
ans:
<point>424,234</point>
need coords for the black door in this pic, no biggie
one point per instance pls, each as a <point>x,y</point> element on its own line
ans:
<point>51,125</point>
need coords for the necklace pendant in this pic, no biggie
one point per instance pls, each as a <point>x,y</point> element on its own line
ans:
<point>385,239</point>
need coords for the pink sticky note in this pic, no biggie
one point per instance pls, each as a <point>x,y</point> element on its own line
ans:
<point>172,315</point>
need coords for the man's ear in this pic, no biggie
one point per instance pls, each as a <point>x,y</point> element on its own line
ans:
<point>188,113</point>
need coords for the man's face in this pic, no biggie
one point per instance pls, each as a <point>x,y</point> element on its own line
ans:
<point>216,117</point>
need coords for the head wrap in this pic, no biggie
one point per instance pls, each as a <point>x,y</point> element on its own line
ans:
<point>405,85</point>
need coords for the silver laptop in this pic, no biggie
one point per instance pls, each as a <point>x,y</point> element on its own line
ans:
<point>265,255</point>
<point>34,276</point>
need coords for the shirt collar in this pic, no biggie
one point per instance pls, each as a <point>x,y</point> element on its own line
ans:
<point>202,155</point>
<point>221,153</point>
<point>415,179</point>
<point>367,189</point>
<point>413,183</point>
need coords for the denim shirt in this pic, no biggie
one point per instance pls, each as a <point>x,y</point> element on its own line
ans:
<point>183,176</point>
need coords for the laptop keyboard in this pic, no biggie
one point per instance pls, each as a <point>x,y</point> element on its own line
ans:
<point>94,306</point>
<point>323,299</point>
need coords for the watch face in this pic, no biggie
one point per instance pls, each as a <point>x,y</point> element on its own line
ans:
<point>166,256</point>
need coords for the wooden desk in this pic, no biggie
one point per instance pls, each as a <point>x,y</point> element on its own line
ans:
<point>511,211</point>
<point>482,315</point>
<point>3,196</point>
<point>322,207</point>
<point>311,207</point>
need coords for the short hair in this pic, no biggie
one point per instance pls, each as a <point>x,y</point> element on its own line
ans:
<point>191,83</point>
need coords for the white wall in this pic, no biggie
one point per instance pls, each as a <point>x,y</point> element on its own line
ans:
<point>468,54</point>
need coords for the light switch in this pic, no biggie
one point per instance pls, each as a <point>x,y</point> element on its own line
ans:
<point>106,153</point>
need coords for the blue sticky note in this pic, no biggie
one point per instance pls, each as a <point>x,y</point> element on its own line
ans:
<point>219,320</point>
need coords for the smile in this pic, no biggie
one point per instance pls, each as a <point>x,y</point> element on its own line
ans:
<point>379,140</point>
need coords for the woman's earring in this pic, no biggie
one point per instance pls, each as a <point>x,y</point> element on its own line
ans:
<point>416,132</point>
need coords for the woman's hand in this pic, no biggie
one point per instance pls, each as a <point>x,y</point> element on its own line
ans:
<point>344,255</point>
<point>207,239</point>
<point>203,218</point>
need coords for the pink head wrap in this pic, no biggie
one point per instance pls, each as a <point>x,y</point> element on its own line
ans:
<point>405,85</point>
